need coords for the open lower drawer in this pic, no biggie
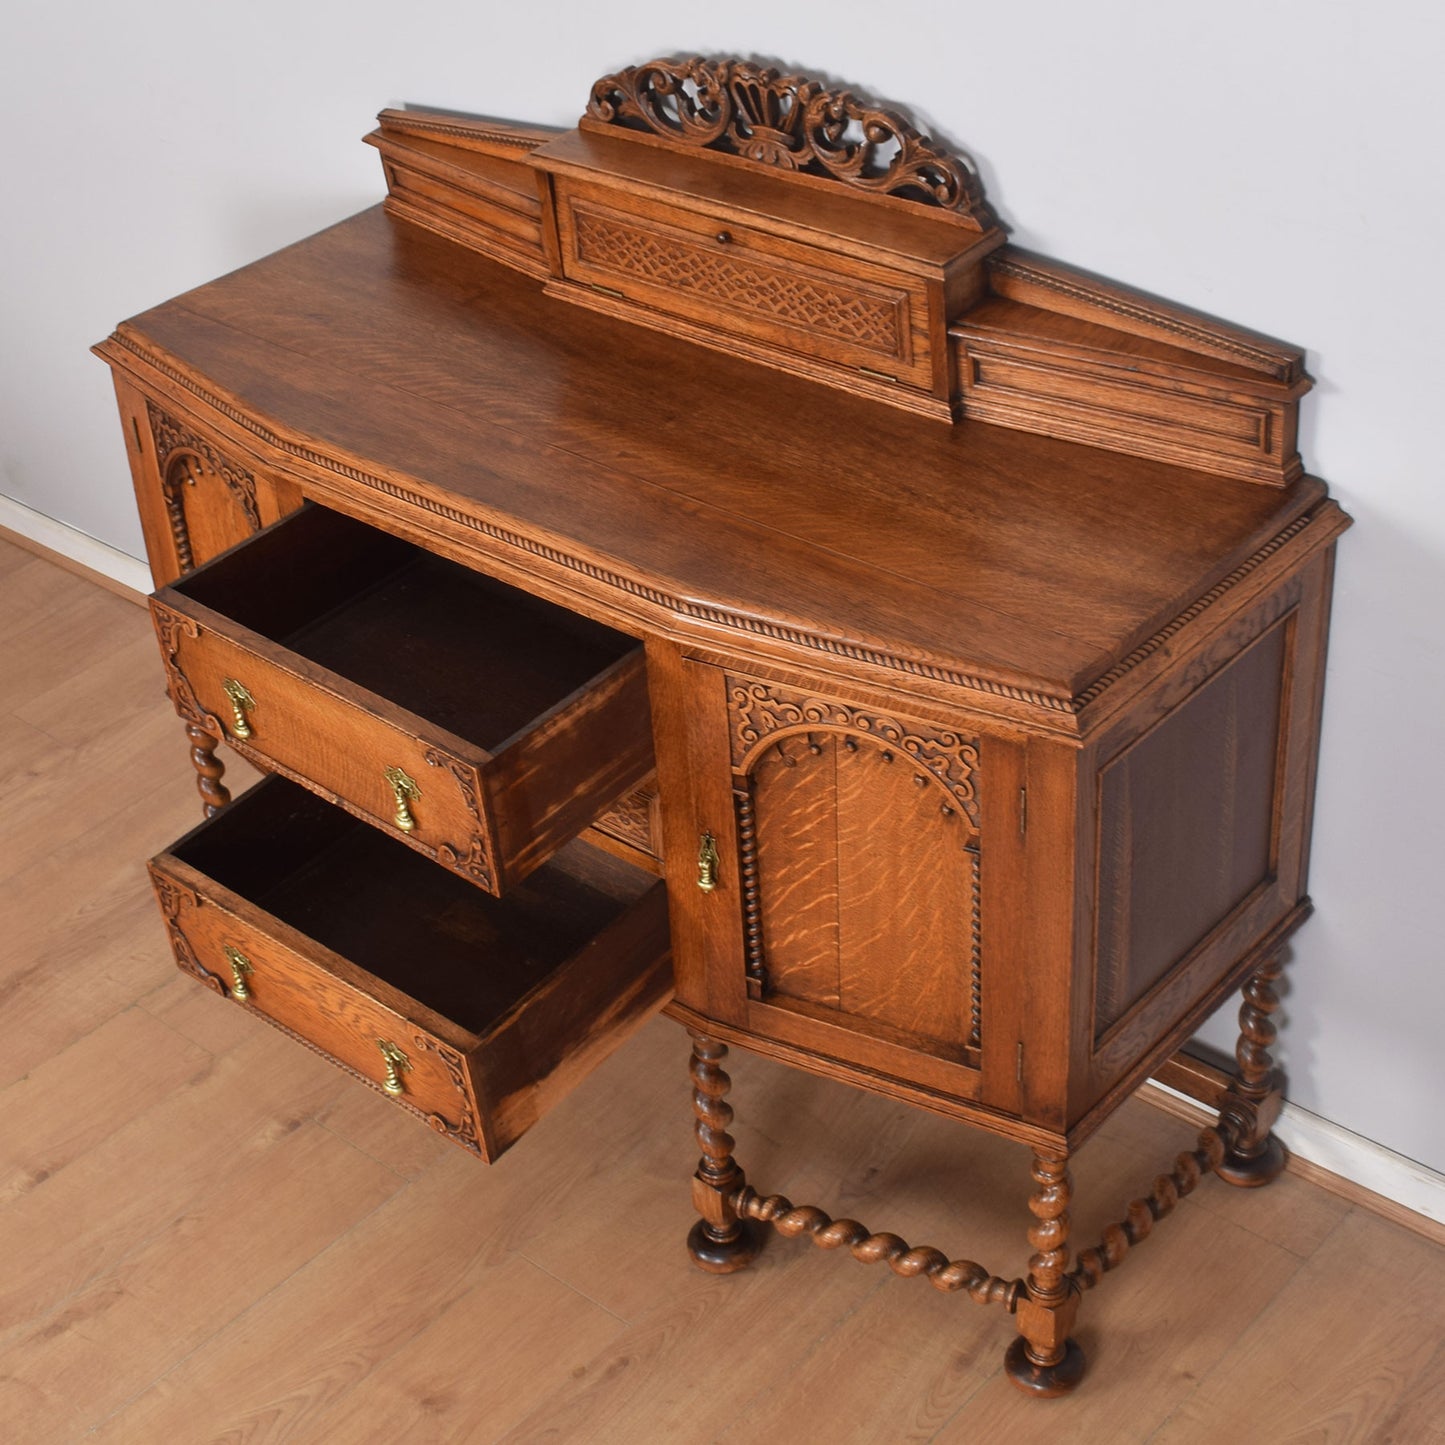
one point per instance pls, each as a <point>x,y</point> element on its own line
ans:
<point>476,1013</point>
<point>482,726</point>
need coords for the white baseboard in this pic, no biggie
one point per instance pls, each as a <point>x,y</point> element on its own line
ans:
<point>84,550</point>
<point>1361,1161</point>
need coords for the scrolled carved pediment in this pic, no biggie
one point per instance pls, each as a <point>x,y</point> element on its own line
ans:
<point>790,122</point>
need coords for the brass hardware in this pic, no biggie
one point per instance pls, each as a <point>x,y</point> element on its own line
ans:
<point>878,375</point>
<point>707,863</point>
<point>240,701</point>
<point>607,290</point>
<point>240,967</point>
<point>397,1064</point>
<point>406,792</point>
<point>724,238</point>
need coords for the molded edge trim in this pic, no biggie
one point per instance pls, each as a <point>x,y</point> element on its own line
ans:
<point>125,347</point>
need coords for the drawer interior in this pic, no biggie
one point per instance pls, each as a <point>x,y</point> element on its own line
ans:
<point>423,632</point>
<point>425,931</point>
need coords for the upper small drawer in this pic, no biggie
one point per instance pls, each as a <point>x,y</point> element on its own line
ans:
<point>482,726</point>
<point>714,271</point>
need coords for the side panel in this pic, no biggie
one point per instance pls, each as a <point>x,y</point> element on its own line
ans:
<point>1187,824</point>
<point>1202,803</point>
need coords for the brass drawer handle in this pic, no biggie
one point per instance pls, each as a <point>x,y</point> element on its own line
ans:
<point>240,967</point>
<point>240,701</point>
<point>406,792</point>
<point>397,1064</point>
<point>707,862</point>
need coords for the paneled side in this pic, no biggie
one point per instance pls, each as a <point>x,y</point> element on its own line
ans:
<point>1187,825</point>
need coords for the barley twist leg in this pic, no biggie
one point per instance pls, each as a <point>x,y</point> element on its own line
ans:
<point>720,1241</point>
<point>209,769</point>
<point>1043,1360</point>
<point>1255,1156</point>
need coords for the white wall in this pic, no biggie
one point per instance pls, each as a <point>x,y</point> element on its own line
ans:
<point>1274,162</point>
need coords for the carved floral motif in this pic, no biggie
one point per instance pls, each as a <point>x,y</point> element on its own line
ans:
<point>183,456</point>
<point>170,896</point>
<point>630,820</point>
<point>762,712</point>
<point>789,122</point>
<point>464,1131</point>
<point>476,859</point>
<point>171,627</point>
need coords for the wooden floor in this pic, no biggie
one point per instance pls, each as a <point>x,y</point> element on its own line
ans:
<point>207,1234</point>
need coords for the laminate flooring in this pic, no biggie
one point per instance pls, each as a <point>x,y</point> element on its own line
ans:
<point>208,1234</point>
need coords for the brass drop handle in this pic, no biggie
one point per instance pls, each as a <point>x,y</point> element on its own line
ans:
<point>707,863</point>
<point>397,1064</point>
<point>240,967</point>
<point>240,701</point>
<point>406,793</point>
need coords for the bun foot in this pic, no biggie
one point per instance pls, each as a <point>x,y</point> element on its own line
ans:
<point>726,1255</point>
<point>1057,1379</point>
<point>1249,1171</point>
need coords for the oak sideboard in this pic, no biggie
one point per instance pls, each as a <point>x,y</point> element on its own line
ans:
<point>694,561</point>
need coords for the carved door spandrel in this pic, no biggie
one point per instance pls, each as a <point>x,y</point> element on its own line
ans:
<point>210,502</point>
<point>858,852</point>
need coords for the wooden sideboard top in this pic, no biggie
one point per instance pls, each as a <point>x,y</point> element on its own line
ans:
<point>704,495</point>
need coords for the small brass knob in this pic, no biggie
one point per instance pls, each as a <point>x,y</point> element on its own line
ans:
<point>397,1064</point>
<point>240,700</point>
<point>707,863</point>
<point>240,967</point>
<point>724,238</point>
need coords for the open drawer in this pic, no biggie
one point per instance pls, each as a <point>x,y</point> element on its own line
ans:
<point>482,726</point>
<point>476,1013</point>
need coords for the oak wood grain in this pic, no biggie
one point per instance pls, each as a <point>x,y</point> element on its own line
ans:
<point>1053,560</point>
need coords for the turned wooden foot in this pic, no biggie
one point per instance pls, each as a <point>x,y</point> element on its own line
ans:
<point>1044,1360</point>
<point>1036,1379</point>
<point>720,1242</point>
<point>1248,1111</point>
<point>209,769</point>
<point>724,1253</point>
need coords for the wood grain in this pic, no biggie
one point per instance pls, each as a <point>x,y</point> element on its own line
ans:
<point>1057,583</point>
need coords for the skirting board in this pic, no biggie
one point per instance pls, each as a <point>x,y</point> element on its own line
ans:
<point>1346,1164</point>
<point>1317,1147</point>
<point>65,545</point>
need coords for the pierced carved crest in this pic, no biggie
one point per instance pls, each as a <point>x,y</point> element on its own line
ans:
<point>792,123</point>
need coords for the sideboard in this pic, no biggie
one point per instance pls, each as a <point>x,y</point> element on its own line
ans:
<point>694,561</point>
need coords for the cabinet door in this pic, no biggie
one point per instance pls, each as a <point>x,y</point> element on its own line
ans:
<point>851,857</point>
<point>196,497</point>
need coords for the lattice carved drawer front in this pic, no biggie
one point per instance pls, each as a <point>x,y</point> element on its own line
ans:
<point>745,281</point>
<point>474,1013</point>
<point>476,724</point>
